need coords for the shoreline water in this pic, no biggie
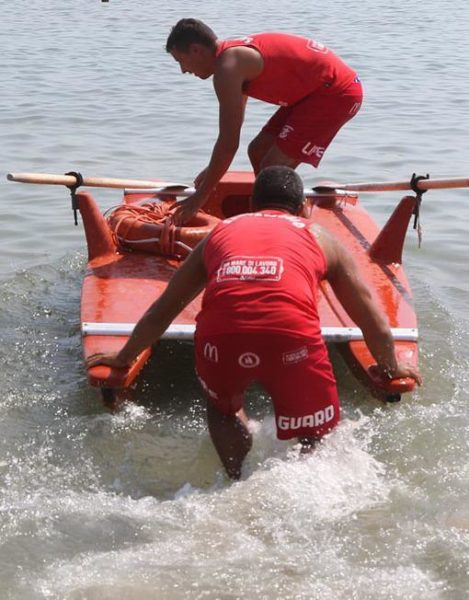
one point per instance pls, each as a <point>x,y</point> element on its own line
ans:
<point>134,505</point>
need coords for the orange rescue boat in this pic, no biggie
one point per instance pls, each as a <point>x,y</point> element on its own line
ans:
<point>134,252</point>
<point>124,276</point>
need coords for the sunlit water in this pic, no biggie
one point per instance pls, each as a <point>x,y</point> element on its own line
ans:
<point>134,505</point>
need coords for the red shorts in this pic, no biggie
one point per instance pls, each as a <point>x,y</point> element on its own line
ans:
<point>297,375</point>
<point>304,131</point>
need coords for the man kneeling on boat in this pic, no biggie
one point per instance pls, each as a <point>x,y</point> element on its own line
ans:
<point>259,319</point>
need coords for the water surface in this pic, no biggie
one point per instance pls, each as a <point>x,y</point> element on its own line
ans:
<point>134,505</point>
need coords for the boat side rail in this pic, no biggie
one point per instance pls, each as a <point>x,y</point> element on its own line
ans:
<point>181,331</point>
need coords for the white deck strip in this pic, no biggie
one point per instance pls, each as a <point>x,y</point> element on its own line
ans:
<point>186,332</point>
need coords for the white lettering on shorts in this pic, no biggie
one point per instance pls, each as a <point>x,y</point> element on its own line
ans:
<point>211,352</point>
<point>295,356</point>
<point>251,268</point>
<point>285,131</point>
<point>317,47</point>
<point>309,149</point>
<point>318,418</point>
<point>249,360</point>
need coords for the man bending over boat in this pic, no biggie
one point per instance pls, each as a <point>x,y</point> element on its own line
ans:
<point>316,91</point>
<point>259,319</point>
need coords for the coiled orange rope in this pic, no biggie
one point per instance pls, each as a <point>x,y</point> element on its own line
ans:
<point>153,213</point>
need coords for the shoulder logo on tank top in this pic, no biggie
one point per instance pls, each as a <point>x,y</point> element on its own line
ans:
<point>247,40</point>
<point>249,360</point>
<point>317,47</point>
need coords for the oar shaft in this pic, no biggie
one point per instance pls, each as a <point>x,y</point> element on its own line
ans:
<point>108,182</point>
<point>422,184</point>
<point>167,190</point>
<point>438,184</point>
<point>103,182</point>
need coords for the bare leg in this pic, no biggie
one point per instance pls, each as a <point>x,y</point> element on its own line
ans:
<point>258,148</point>
<point>308,444</point>
<point>274,156</point>
<point>231,438</point>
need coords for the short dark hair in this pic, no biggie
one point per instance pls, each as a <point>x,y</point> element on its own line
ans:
<point>187,32</point>
<point>280,187</point>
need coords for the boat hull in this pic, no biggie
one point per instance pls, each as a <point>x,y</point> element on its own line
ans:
<point>119,287</point>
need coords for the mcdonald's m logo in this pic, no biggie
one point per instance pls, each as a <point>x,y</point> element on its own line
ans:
<point>211,352</point>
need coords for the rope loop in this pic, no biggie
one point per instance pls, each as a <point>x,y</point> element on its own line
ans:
<point>150,227</point>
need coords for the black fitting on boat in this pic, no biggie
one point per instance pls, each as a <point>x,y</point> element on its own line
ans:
<point>418,201</point>
<point>73,188</point>
<point>414,183</point>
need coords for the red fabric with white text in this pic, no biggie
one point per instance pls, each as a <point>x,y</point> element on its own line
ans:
<point>295,372</point>
<point>263,271</point>
<point>259,321</point>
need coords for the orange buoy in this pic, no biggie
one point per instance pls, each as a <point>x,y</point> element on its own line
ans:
<point>149,228</point>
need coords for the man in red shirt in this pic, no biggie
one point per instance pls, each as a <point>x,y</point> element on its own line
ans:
<point>259,319</point>
<point>316,91</point>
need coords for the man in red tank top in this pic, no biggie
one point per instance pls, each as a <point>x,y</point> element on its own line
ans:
<point>259,318</point>
<point>316,91</point>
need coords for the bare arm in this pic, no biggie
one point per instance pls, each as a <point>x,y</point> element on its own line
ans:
<point>233,69</point>
<point>224,150</point>
<point>186,283</point>
<point>356,299</point>
<point>228,83</point>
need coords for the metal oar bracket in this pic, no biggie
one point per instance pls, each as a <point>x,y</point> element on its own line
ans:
<point>73,189</point>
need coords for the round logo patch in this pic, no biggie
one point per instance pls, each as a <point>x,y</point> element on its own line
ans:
<point>248,360</point>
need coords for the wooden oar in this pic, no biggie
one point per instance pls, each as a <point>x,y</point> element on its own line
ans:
<point>421,184</point>
<point>132,186</point>
<point>102,182</point>
<point>168,187</point>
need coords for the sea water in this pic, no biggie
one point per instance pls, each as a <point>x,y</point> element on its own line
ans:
<point>134,505</point>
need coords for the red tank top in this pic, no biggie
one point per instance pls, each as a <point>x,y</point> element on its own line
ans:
<point>294,67</point>
<point>263,273</point>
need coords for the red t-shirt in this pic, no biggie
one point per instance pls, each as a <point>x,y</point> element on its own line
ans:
<point>263,271</point>
<point>294,67</point>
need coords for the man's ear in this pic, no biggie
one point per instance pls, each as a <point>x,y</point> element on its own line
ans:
<point>195,48</point>
<point>304,210</point>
